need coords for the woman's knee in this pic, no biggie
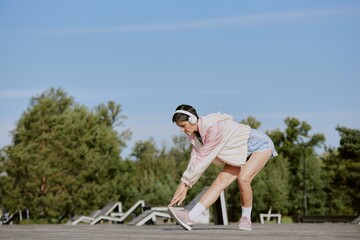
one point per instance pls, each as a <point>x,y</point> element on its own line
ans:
<point>243,179</point>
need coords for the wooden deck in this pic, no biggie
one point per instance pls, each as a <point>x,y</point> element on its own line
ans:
<point>326,231</point>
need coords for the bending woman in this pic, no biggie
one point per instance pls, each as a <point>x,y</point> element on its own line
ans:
<point>217,138</point>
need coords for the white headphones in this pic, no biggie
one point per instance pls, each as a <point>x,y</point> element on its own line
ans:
<point>192,118</point>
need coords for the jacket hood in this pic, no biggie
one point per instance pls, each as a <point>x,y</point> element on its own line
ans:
<point>206,121</point>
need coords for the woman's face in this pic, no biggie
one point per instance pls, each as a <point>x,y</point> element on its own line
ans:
<point>186,127</point>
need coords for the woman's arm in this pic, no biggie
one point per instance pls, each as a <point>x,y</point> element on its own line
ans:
<point>202,158</point>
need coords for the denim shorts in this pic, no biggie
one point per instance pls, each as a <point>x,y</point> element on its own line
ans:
<point>259,142</point>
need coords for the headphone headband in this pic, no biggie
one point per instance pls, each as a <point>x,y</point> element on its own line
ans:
<point>192,117</point>
<point>185,112</point>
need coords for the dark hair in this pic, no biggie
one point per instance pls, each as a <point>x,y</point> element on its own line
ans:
<point>181,116</point>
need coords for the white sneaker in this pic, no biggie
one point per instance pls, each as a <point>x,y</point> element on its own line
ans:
<point>182,218</point>
<point>245,224</point>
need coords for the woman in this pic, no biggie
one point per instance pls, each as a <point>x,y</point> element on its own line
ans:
<point>218,138</point>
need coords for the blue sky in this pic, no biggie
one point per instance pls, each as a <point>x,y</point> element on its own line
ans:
<point>266,59</point>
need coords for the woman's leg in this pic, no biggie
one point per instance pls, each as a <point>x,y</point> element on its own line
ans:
<point>227,175</point>
<point>255,163</point>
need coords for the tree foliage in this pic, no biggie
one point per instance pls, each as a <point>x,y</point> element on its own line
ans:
<point>62,153</point>
<point>252,122</point>
<point>154,173</point>
<point>342,175</point>
<point>298,147</point>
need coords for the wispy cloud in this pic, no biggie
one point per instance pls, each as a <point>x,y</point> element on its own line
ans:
<point>233,21</point>
<point>131,93</point>
<point>18,93</point>
<point>123,93</point>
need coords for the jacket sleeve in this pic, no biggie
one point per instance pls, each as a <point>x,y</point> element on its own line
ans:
<point>201,158</point>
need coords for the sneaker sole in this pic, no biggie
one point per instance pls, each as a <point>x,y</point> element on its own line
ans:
<point>181,223</point>
<point>244,229</point>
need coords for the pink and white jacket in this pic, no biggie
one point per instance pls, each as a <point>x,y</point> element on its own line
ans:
<point>224,141</point>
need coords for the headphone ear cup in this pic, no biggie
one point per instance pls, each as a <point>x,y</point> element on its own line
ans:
<point>193,120</point>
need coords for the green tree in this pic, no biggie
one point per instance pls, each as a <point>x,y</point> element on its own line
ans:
<point>252,122</point>
<point>342,174</point>
<point>349,152</point>
<point>154,173</point>
<point>125,185</point>
<point>298,146</point>
<point>62,153</point>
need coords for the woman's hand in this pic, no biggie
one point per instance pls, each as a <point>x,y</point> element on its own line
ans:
<point>179,195</point>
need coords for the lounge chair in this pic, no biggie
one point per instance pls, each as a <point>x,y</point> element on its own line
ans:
<point>112,208</point>
<point>113,217</point>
